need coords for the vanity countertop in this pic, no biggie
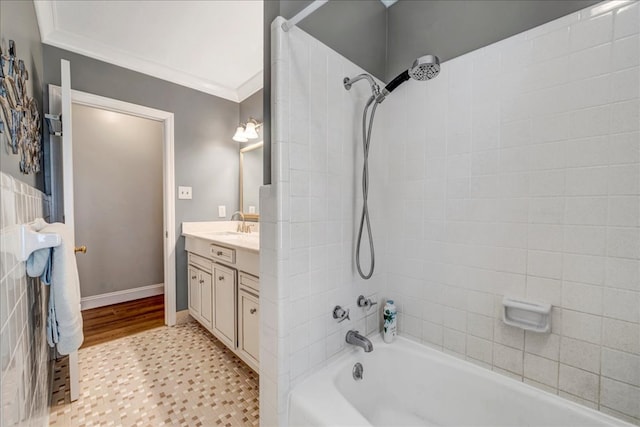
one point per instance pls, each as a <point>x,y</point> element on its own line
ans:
<point>223,233</point>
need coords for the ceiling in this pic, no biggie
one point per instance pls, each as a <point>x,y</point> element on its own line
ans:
<point>211,46</point>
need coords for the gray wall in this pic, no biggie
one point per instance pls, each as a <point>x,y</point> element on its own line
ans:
<point>252,107</point>
<point>118,198</point>
<point>450,28</point>
<point>18,22</point>
<point>355,28</point>
<point>206,157</point>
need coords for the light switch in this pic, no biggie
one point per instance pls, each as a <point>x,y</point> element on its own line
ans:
<point>184,192</point>
<point>222,211</point>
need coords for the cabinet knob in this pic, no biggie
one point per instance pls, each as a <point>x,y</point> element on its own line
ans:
<point>220,277</point>
<point>194,277</point>
<point>219,253</point>
<point>201,281</point>
<point>253,310</point>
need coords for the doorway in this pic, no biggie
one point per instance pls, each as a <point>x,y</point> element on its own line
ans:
<point>117,167</point>
<point>81,104</point>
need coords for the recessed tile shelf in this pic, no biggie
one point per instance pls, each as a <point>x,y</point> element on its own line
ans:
<point>527,315</point>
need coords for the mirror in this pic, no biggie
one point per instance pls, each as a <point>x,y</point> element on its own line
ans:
<point>250,180</point>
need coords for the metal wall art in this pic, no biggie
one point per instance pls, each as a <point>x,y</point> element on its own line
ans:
<point>19,115</point>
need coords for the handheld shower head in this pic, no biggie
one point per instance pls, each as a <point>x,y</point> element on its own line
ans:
<point>424,68</point>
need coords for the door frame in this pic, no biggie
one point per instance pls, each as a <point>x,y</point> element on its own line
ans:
<point>168,174</point>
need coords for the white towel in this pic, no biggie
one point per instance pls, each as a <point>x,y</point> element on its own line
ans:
<point>57,267</point>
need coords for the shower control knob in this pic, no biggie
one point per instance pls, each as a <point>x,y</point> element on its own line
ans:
<point>365,302</point>
<point>340,314</point>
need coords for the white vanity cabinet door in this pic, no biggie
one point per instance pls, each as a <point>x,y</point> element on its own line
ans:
<point>206,298</point>
<point>224,298</point>
<point>201,295</point>
<point>194,292</point>
<point>248,328</point>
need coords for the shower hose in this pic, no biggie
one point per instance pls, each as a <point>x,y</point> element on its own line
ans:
<point>364,218</point>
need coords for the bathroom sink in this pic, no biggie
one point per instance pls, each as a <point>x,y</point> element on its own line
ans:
<point>232,235</point>
<point>223,233</point>
<point>244,236</point>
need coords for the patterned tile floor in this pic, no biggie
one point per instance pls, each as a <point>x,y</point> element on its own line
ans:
<point>179,376</point>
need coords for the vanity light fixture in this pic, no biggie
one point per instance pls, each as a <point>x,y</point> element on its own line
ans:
<point>250,129</point>
<point>247,131</point>
<point>239,136</point>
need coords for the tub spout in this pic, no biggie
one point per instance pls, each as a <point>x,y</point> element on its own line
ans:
<point>354,337</point>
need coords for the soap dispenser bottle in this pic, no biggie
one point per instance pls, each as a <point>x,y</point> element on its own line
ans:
<point>389,329</point>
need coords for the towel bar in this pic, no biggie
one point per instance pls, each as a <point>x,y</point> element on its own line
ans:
<point>21,240</point>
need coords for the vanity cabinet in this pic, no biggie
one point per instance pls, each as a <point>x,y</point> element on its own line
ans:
<point>224,290</point>
<point>201,290</point>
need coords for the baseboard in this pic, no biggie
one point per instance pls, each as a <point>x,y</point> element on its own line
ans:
<point>121,296</point>
<point>183,316</point>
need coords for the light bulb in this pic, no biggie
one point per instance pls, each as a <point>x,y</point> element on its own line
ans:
<point>240,135</point>
<point>250,130</point>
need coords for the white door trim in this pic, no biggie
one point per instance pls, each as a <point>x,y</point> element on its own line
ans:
<point>168,172</point>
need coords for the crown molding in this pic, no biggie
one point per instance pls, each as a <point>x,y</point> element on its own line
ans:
<point>251,86</point>
<point>45,15</point>
<point>50,35</point>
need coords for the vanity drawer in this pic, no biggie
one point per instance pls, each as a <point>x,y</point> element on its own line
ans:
<point>198,261</point>
<point>221,253</point>
<point>249,281</point>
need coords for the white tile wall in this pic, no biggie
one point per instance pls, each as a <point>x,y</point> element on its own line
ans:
<point>310,210</point>
<point>515,172</point>
<point>536,205</point>
<point>24,353</point>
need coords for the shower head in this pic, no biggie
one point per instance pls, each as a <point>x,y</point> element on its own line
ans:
<point>424,68</point>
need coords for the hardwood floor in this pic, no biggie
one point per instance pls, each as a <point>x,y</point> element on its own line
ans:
<point>107,323</point>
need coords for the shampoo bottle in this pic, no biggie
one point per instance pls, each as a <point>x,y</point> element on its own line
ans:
<point>389,328</point>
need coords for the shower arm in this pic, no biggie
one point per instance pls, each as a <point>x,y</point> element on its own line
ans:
<point>348,82</point>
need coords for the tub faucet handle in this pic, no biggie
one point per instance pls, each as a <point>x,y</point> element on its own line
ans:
<point>365,302</point>
<point>340,314</point>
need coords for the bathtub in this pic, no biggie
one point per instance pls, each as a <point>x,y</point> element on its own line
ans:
<point>408,384</point>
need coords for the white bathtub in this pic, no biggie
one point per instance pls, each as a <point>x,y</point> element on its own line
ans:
<point>408,384</point>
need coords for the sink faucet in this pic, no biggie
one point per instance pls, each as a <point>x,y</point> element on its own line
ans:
<point>242,228</point>
<point>354,337</point>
